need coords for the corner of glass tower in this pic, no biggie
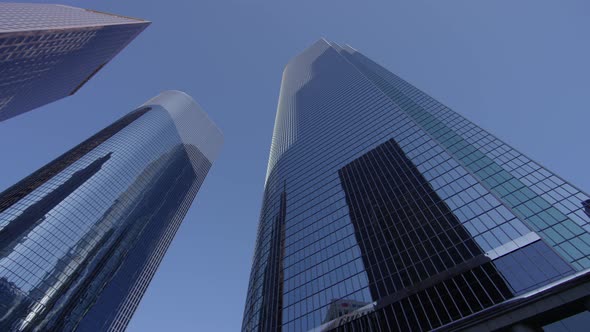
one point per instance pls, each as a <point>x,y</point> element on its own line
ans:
<point>384,210</point>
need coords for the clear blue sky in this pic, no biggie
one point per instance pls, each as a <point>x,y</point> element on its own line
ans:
<point>517,68</point>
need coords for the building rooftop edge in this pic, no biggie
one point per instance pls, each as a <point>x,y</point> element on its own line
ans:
<point>193,124</point>
<point>128,20</point>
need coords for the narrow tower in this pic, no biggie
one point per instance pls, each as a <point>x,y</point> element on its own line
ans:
<point>81,238</point>
<point>391,212</point>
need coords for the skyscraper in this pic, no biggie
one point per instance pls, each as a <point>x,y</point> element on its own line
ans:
<point>81,238</point>
<point>48,52</point>
<point>380,198</point>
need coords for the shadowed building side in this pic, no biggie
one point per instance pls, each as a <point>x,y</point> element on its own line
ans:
<point>272,300</point>
<point>408,236</point>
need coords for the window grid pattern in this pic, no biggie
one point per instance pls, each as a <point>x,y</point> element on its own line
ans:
<point>445,302</point>
<point>330,113</point>
<point>83,236</point>
<point>406,232</point>
<point>562,226</point>
<point>45,56</point>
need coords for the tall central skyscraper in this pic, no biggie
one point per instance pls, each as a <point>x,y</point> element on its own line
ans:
<point>384,210</point>
<point>81,238</point>
<point>48,51</point>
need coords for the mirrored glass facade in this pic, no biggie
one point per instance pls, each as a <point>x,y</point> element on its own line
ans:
<point>385,210</point>
<point>81,238</point>
<point>48,51</point>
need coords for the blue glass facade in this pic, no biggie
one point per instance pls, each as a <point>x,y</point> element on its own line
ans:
<point>48,52</point>
<point>81,238</point>
<point>398,207</point>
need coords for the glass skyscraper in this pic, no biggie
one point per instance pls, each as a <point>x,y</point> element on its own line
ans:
<point>48,52</point>
<point>384,210</point>
<point>81,238</point>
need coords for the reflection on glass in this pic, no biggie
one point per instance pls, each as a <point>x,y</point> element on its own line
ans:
<point>272,298</point>
<point>34,214</point>
<point>398,202</point>
<point>411,241</point>
<point>406,232</point>
<point>81,238</point>
<point>341,307</point>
